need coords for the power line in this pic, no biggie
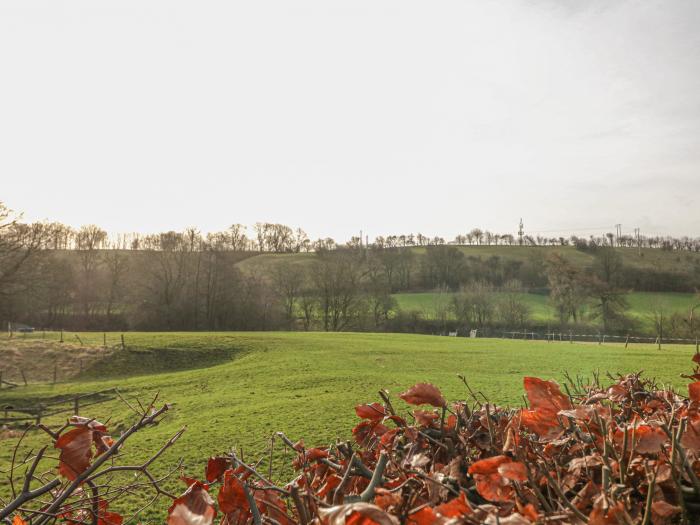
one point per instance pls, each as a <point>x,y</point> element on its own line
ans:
<point>599,228</point>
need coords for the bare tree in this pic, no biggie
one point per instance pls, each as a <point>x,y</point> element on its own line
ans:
<point>116,264</point>
<point>288,280</point>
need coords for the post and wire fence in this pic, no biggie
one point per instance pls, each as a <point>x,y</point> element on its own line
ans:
<point>571,337</point>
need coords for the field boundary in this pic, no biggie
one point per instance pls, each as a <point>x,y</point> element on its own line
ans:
<point>598,337</point>
<point>41,410</point>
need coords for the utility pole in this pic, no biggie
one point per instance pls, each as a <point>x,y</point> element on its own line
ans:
<point>618,231</point>
<point>520,232</point>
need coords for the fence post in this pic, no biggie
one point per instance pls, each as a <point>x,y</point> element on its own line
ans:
<point>123,345</point>
<point>79,340</point>
<point>38,416</point>
<point>104,339</point>
<point>61,335</point>
<point>627,340</point>
<point>76,405</point>
<point>603,338</point>
<point>571,337</point>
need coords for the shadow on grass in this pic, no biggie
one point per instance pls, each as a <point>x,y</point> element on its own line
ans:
<point>147,361</point>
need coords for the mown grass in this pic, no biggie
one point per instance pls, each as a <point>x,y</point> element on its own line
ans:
<point>239,388</point>
<point>641,305</point>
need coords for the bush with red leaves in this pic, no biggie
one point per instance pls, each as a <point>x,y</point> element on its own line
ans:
<point>627,453</point>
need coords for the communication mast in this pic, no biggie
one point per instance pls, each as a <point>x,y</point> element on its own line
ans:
<point>521,232</point>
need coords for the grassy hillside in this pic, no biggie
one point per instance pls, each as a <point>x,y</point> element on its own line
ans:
<point>641,304</point>
<point>236,389</point>
<point>655,259</point>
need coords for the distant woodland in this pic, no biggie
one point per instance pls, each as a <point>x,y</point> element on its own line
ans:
<point>274,277</point>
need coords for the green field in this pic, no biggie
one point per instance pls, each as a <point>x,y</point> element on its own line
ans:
<point>236,389</point>
<point>641,304</point>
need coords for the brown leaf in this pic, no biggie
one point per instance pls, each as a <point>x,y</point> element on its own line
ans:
<point>544,423</point>
<point>356,514</point>
<point>513,470</point>
<point>231,494</point>
<point>194,507</point>
<point>424,394</point>
<point>216,466</point>
<point>371,411</point>
<point>331,483</point>
<point>545,395</point>
<point>425,418</point>
<point>691,436</point>
<point>694,392</point>
<point>663,513</point>
<point>76,452</point>
<point>425,516</point>
<point>612,515</point>
<point>647,439</point>
<point>455,508</point>
<point>489,481</point>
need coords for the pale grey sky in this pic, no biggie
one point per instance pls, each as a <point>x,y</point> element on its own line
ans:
<point>387,116</point>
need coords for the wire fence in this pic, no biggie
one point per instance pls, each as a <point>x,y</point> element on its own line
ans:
<point>597,338</point>
<point>65,405</point>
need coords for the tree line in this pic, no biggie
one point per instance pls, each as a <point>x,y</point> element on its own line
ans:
<point>54,277</point>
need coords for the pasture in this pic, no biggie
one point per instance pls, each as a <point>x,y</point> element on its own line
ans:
<point>237,389</point>
<point>641,305</point>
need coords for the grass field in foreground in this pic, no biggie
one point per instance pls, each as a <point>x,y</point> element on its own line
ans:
<point>238,388</point>
<point>641,304</point>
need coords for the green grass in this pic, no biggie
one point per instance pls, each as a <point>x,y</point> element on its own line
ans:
<point>672,261</point>
<point>236,389</point>
<point>641,304</point>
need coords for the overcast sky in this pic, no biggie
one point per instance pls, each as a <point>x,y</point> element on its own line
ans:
<point>386,116</point>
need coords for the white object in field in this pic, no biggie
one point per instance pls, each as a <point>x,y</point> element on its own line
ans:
<point>453,334</point>
<point>472,334</point>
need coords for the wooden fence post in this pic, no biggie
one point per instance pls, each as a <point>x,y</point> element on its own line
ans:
<point>76,406</point>
<point>627,341</point>
<point>123,345</point>
<point>104,339</point>
<point>61,335</point>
